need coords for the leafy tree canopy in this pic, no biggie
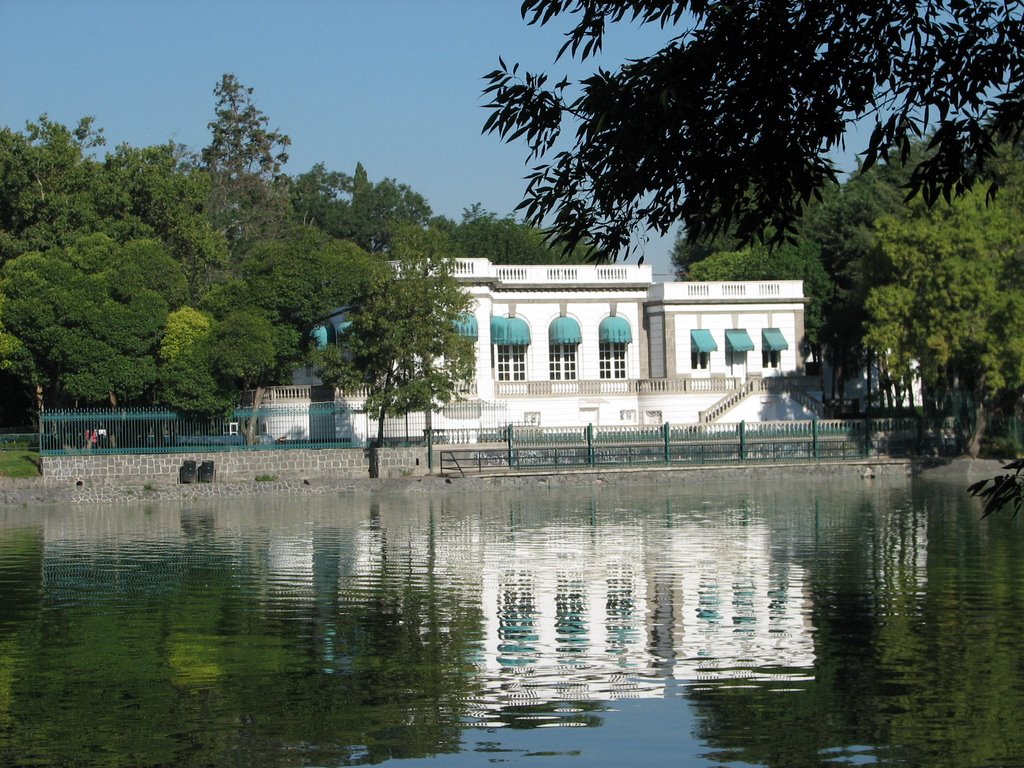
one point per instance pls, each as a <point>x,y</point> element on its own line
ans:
<point>730,126</point>
<point>402,344</point>
<point>248,192</point>
<point>481,234</point>
<point>89,316</point>
<point>48,185</point>
<point>355,208</point>
<point>952,311</point>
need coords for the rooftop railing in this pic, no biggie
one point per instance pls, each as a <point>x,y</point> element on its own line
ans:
<point>760,290</point>
<point>554,274</point>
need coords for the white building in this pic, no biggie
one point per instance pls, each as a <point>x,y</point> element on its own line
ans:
<point>570,345</point>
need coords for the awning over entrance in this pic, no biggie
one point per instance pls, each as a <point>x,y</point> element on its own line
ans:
<point>466,325</point>
<point>511,331</point>
<point>564,330</point>
<point>738,340</point>
<point>772,340</point>
<point>614,330</point>
<point>701,340</point>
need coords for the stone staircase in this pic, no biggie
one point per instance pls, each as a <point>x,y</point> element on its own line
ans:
<point>796,388</point>
<point>717,410</point>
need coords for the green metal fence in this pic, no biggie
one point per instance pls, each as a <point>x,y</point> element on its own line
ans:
<point>149,430</point>
<point>702,444</point>
<point>331,425</point>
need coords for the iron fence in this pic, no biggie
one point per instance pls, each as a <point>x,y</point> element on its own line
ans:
<point>151,430</point>
<point>332,425</point>
<point>700,444</point>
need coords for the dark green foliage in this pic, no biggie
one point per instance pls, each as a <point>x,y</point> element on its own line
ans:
<point>355,208</point>
<point>89,316</point>
<point>481,234</point>
<point>1002,490</point>
<point>48,186</point>
<point>402,345</point>
<point>729,127</point>
<point>248,193</point>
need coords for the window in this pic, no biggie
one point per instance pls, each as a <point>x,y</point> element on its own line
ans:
<point>702,344</point>
<point>562,362</point>
<point>612,361</point>
<point>511,362</point>
<point>769,358</point>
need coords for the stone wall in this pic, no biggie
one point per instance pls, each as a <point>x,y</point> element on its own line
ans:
<point>232,466</point>
<point>39,491</point>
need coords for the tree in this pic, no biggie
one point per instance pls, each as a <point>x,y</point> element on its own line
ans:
<point>248,193</point>
<point>1002,490</point>
<point>686,251</point>
<point>730,126</point>
<point>89,317</point>
<point>48,185</point>
<point>262,317</point>
<point>187,379</point>
<point>304,275</point>
<point>481,234</point>
<point>355,208</point>
<point>157,192</point>
<point>249,352</point>
<point>402,344</point>
<point>953,311</point>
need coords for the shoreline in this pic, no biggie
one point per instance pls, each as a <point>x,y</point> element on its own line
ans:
<point>34,491</point>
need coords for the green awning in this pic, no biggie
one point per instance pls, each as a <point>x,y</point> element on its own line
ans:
<point>772,340</point>
<point>614,330</point>
<point>701,340</point>
<point>564,330</point>
<point>511,331</point>
<point>738,340</point>
<point>322,336</point>
<point>465,325</point>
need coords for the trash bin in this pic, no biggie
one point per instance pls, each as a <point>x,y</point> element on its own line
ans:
<point>206,472</point>
<point>187,473</point>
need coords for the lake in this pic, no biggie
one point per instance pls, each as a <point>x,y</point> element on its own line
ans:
<point>792,623</point>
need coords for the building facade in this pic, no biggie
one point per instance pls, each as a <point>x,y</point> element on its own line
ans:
<point>569,345</point>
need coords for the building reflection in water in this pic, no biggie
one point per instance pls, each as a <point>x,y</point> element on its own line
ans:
<point>594,615</point>
<point>576,607</point>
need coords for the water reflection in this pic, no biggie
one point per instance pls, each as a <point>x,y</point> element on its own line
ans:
<point>802,624</point>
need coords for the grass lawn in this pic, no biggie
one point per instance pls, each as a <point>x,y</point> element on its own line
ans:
<point>19,463</point>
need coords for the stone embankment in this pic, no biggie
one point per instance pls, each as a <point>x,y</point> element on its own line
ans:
<point>114,490</point>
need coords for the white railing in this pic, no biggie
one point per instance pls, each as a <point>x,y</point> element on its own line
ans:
<point>729,386</point>
<point>729,291</point>
<point>589,387</point>
<point>554,274</point>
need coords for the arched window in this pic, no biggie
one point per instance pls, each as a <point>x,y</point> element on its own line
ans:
<point>613,335</point>
<point>564,337</point>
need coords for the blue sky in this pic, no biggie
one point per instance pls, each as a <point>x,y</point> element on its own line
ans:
<point>394,84</point>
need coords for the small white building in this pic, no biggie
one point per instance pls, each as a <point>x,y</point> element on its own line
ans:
<point>571,345</point>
